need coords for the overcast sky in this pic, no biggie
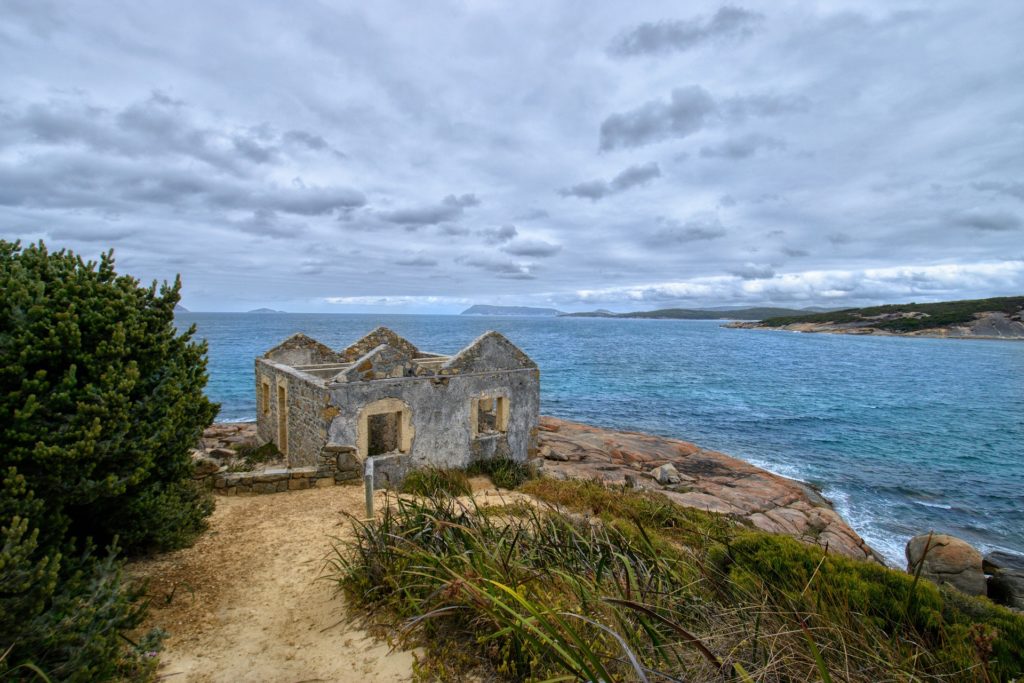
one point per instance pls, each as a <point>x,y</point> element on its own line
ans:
<point>420,157</point>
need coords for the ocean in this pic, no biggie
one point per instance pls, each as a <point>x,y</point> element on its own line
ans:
<point>903,435</point>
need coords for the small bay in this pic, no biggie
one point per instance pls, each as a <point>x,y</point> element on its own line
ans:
<point>903,435</point>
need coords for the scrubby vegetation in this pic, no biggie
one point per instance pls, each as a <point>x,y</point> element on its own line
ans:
<point>257,455</point>
<point>504,472</point>
<point>102,399</point>
<point>620,585</point>
<point>436,481</point>
<point>936,315</point>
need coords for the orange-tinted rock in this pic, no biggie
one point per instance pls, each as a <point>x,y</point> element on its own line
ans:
<point>947,559</point>
<point>707,480</point>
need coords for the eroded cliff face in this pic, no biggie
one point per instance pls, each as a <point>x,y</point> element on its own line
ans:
<point>988,325</point>
<point>696,477</point>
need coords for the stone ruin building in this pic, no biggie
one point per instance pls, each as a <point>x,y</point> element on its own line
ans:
<point>383,398</point>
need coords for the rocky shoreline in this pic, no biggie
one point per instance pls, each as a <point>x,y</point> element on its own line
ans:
<point>697,477</point>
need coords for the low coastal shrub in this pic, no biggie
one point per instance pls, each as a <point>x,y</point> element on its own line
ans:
<point>504,472</point>
<point>256,455</point>
<point>102,399</point>
<point>615,584</point>
<point>436,481</point>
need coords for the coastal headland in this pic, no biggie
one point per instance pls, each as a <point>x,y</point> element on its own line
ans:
<point>999,318</point>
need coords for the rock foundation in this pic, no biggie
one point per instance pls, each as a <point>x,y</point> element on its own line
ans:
<point>218,464</point>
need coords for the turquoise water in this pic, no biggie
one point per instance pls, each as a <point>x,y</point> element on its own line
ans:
<point>903,435</point>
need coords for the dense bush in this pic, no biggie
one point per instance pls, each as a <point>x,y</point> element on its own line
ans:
<point>102,400</point>
<point>637,588</point>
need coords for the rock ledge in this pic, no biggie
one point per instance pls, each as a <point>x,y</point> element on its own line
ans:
<point>696,477</point>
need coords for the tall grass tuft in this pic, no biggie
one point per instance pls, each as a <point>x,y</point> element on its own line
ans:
<point>616,585</point>
<point>504,472</point>
<point>435,481</point>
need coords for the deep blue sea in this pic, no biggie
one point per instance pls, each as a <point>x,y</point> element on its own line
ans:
<point>903,435</point>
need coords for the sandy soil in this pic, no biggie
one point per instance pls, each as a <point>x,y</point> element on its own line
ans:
<point>249,602</point>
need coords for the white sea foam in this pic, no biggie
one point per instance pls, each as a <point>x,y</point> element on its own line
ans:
<point>940,506</point>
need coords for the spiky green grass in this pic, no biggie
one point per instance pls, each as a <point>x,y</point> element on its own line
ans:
<point>504,472</point>
<point>435,481</point>
<point>620,585</point>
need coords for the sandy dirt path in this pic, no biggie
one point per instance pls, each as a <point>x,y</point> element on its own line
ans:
<point>248,603</point>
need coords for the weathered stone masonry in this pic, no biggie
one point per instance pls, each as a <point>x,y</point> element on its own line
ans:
<point>384,398</point>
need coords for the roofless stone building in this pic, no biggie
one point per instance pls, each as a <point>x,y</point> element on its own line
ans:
<point>383,398</point>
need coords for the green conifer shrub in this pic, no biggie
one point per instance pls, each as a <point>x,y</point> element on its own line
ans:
<point>101,401</point>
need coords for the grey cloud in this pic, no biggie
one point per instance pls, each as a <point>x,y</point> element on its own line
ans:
<point>635,175</point>
<point>592,190</point>
<point>741,147</point>
<point>418,261</point>
<point>626,179</point>
<point>795,253</point>
<point>499,235</point>
<point>532,215</point>
<point>504,269</point>
<point>667,36</point>
<point>536,248</point>
<point>987,221</point>
<point>301,137</point>
<point>685,113</point>
<point>450,208</point>
<point>253,150</point>
<point>838,238</point>
<point>310,141</point>
<point>98,233</point>
<point>313,266</point>
<point>157,127</point>
<point>763,105</point>
<point>93,182</point>
<point>266,223</point>
<point>1010,189</point>
<point>693,230</point>
<point>727,200</point>
<point>311,201</point>
<point>753,271</point>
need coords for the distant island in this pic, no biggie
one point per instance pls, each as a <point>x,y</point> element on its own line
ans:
<point>265,310</point>
<point>178,308</point>
<point>481,309</point>
<point>694,314</point>
<point>998,318</point>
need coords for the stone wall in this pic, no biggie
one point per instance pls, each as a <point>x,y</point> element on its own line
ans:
<point>441,419</point>
<point>277,480</point>
<point>307,412</point>
<point>323,422</point>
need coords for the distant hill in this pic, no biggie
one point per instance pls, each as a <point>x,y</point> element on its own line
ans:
<point>694,313</point>
<point>265,310</point>
<point>481,309</point>
<point>178,308</point>
<point>1001,318</point>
